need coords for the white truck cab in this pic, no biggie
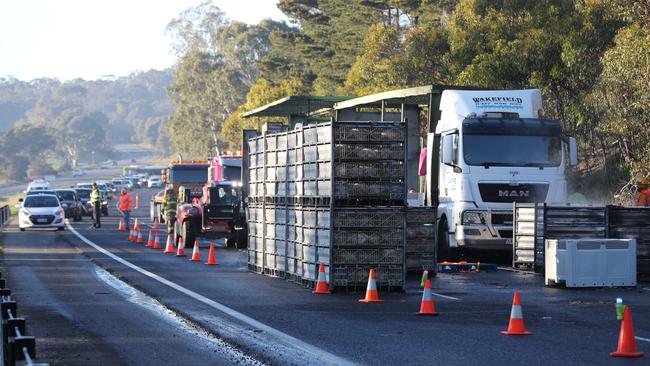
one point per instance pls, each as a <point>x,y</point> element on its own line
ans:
<point>494,150</point>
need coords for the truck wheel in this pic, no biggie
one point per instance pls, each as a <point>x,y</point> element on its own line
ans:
<point>443,240</point>
<point>242,239</point>
<point>188,234</point>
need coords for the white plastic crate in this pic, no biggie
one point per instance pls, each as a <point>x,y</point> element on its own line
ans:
<point>590,262</point>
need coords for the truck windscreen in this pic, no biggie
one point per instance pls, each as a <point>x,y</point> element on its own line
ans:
<point>512,150</point>
<point>189,174</point>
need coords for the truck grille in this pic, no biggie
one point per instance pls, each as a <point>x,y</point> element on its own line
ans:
<point>504,192</point>
<point>501,218</point>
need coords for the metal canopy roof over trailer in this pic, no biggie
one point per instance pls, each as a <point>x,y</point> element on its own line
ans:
<point>296,108</point>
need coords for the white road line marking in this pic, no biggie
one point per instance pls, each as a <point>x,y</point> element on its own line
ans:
<point>642,339</point>
<point>445,296</point>
<point>324,355</point>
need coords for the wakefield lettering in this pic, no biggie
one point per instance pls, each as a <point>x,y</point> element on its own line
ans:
<point>497,99</point>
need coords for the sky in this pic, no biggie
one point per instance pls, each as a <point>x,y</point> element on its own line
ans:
<point>89,39</point>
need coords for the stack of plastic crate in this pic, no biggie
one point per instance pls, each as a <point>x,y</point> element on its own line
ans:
<point>255,207</point>
<point>420,238</point>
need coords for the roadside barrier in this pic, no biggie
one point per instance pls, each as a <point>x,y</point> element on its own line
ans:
<point>516,325</point>
<point>16,346</point>
<point>371,291</point>
<point>626,340</point>
<point>4,215</point>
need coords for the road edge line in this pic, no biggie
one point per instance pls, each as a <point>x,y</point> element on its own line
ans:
<point>320,353</point>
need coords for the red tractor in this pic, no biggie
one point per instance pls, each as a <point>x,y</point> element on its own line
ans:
<point>216,210</point>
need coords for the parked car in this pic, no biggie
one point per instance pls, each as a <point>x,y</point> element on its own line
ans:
<point>79,173</point>
<point>41,211</point>
<point>155,181</point>
<point>86,185</point>
<point>40,191</point>
<point>70,203</point>
<point>84,197</point>
<point>37,185</point>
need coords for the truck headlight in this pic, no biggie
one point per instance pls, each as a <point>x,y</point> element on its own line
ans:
<point>473,218</point>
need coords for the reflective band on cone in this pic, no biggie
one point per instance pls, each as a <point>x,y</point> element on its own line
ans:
<point>426,305</point>
<point>169,247</point>
<point>196,257</point>
<point>516,325</point>
<point>156,242</point>
<point>322,287</point>
<point>371,291</point>
<point>180,251</point>
<point>150,240</point>
<point>140,240</point>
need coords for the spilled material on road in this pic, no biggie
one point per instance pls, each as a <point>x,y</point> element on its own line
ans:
<point>171,318</point>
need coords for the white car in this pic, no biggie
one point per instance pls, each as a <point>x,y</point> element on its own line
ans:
<point>84,185</point>
<point>38,185</point>
<point>155,181</point>
<point>41,211</point>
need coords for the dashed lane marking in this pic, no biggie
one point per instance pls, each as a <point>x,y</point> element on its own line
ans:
<point>322,355</point>
<point>642,339</point>
<point>445,296</point>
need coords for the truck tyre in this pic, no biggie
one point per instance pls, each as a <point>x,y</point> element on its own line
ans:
<point>187,231</point>
<point>242,239</point>
<point>443,240</point>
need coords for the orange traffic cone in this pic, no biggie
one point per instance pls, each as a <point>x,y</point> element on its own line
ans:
<point>322,287</point>
<point>155,223</point>
<point>140,240</point>
<point>516,325</point>
<point>156,242</point>
<point>626,340</point>
<point>136,225</point>
<point>371,291</point>
<point>137,200</point>
<point>426,306</point>
<point>180,251</point>
<point>121,226</point>
<point>169,247</point>
<point>150,240</point>
<point>212,258</point>
<point>196,257</point>
<point>131,235</point>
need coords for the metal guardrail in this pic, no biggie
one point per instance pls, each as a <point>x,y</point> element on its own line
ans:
<point>534,223</point>
<point>16,347</point>
<point>4,215</point>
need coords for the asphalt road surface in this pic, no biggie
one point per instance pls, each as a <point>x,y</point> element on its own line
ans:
<point>92,295</point>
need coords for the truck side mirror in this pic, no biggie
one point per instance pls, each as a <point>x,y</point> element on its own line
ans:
<point>447,150</point>
<point>573,151</point>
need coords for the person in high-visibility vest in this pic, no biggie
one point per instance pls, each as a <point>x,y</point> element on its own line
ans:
<point>96,202</point>
<point>169,208</point>
<point>643,197</point>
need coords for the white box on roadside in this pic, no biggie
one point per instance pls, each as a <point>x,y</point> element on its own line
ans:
<point>590,262</point>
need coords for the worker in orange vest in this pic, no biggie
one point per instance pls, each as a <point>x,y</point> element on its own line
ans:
<point>126,206</point>
<point>643,197</point>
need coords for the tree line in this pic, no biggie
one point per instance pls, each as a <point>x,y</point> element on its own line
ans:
<point>47,125</point>
<point>589,57</point>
